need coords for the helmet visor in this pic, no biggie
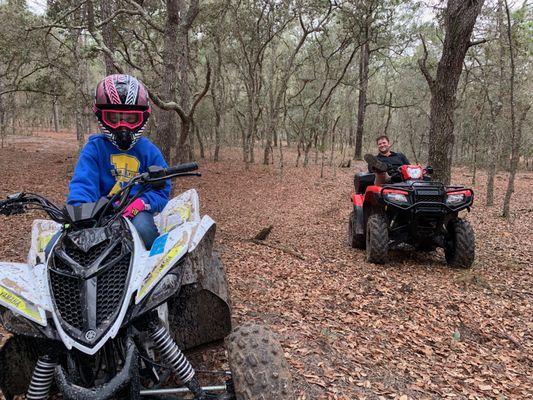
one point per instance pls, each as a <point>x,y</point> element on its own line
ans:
<point>130,119</point>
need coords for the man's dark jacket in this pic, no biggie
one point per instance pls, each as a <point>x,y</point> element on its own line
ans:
<point>394,160</point>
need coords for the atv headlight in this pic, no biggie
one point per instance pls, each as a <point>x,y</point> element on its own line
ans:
<point>454,199</point>
<point>396,196</point>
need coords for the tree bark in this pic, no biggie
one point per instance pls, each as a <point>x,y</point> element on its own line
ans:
<point>185,151</point>
<point>55,113</point>
<point>167,130</point>
<point>460,17</point>
<point>363,88</point>
<point>217,97</point>
<point>106,9</point>
<point>2,118</point>
<point>516,131</point>
<point>495,111</point>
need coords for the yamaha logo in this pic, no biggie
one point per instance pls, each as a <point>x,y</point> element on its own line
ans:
<point>90,335</point>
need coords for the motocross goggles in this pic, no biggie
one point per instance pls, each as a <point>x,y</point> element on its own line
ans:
<point>115,119</point>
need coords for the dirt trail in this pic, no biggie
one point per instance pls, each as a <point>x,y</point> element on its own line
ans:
<point>411,329</point>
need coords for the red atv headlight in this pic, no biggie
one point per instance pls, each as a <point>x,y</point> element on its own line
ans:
<point>411,172</point>
<point>457,197</point>
<point>396,196</point>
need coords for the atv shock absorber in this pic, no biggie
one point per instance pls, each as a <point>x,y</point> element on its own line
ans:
<point>42,378</point>
<point>177,361</point>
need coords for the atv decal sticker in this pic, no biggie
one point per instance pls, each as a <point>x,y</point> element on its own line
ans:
<point>42,232</point>
<point>19,304</point>
<point>181,209</point>
<point>185,211</point>
<point>162,267</point>
<point>124,167</point>
<point>43,241</point>
<point>158,246</point>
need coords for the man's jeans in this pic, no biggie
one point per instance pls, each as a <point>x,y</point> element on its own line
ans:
<point>143,223</point>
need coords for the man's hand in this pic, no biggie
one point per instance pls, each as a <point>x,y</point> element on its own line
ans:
<point>134,208</point>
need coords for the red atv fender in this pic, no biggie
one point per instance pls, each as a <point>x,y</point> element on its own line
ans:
<point>372,196</point>
<point>357,201</point>
<point>362,203</point>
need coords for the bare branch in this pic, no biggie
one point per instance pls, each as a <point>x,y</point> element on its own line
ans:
<point>203,93</point>
<point>190,16</point>
<point>166,105</point>
<point>116,14</point>
<point>145,16</point>
<point>29,90</point>
<point>394,106</point>
<point>341,76</point>
<point>422,63</point>
<point>477,42</point>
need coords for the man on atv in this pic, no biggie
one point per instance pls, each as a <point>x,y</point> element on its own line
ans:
<point>385,164</point>
<point>120,152</point>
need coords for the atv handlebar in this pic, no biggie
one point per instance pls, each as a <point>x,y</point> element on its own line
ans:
<point>19,202</point>
<point>181,168</point>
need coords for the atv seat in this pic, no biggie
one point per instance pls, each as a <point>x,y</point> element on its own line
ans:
<point>362,180</point>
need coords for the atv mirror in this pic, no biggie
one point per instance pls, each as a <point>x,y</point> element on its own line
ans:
<point>429,170</point>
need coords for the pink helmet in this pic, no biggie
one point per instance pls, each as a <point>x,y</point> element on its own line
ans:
<point>122,108</point>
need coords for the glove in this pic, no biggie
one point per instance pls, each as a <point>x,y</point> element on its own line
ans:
<point>134,208</point>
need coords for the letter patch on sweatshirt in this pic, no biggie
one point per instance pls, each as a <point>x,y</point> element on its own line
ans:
<point>124,168</point>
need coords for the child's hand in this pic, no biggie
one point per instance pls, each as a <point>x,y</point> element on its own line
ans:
<point>134,208</point>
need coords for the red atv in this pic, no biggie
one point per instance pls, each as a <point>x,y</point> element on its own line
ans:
<point>414,210</point>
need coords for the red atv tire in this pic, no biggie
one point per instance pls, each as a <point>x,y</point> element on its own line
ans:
<point>357,241</point>
<point>460,248</point>
<point>377,239</point>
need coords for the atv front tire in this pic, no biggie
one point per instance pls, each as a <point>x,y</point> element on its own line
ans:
<point>258,366</point>
<point>377,239</point>
<point>460,245</point>
<point>354,240</point>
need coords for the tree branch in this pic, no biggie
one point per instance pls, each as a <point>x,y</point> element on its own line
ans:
<point>476,42</point>
<point>29,90</point>
<point>394,106</point>
<point>145,16</point>
<point>166,105</point>
<point>422,63</point>
<point>203,93</point>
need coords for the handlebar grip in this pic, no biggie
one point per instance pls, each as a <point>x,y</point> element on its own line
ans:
<point>181,168</point>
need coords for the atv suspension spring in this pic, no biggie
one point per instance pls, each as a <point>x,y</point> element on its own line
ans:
<point>42,378</point>
<point>171,353</point>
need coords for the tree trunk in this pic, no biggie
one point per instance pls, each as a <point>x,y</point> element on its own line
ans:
<point>200,141</point>
<point>2,118</point>
<point>460,17</point>
<point>361,108</point>
<point>185,147</point>
<point>495,109</point>
<point>81,77</point>
<point>516,131</point>
<point>217,97</point>
<point>55,114</point>
<point>106,9</point>
<point>167,129</point>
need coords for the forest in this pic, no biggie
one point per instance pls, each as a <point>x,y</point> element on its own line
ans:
<point>278,101</point>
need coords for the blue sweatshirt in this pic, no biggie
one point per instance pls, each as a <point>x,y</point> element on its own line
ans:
<point>102,169</point>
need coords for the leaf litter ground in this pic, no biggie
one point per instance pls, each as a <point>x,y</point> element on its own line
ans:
<point>412,329</point>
